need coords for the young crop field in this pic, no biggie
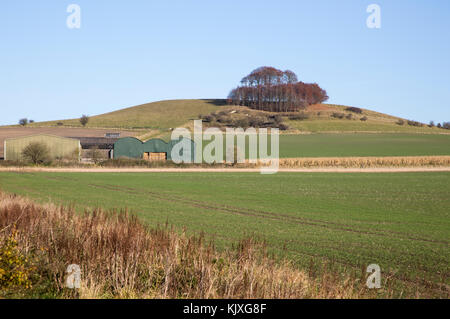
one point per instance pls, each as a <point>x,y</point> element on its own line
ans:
<point>360,144</point>
<point>399,220</point>
<point>357,145</point>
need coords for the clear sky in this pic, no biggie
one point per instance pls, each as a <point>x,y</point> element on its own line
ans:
<point>138,51</point>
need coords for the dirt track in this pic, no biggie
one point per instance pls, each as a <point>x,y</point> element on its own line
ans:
<point>228,170</point>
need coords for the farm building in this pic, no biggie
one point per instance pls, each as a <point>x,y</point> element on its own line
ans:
<point>112,135</point>
<point>152,150</point>
<point>100,146</point>
<point>59,147</point>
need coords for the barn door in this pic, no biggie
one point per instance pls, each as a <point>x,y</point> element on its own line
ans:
<point>154,157</point>
<point>158,156</point>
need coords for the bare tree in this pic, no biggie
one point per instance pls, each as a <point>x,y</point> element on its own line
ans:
<point>95,154</point>
<point>84,120</point>
<point>36,153</point>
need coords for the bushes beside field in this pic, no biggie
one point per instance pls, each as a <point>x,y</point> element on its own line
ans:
<point>244,119</point>
<point>354,109</point>
<point>54,163</point>
<point>140,163</point>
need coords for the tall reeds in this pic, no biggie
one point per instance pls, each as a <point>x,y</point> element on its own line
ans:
<point>365,162</point>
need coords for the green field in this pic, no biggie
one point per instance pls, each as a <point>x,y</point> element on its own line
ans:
<point>360,144</point>
<point>399,221</point>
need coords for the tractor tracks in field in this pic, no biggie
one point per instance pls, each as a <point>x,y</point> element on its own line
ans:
<point>286,218</point>
<point>439,287</point>
<point>253,212</point>
<point>333,226</point>
<point>263,214</point>
<point>339,249</point>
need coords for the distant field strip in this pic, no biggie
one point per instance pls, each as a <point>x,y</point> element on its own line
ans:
<point>388,161</point>
<point>363,145</point>
<point>399,220</point>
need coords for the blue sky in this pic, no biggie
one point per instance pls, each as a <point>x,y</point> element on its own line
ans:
<point>137,51</point>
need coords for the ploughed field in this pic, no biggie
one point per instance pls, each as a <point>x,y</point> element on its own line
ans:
<point>398,220</point>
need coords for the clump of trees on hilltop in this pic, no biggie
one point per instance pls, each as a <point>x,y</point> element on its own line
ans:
<point>270,89</point>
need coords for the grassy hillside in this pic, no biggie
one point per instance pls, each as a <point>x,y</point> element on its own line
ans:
<point>163,115</point>
<point>321,120</point>
<point>156,115</point>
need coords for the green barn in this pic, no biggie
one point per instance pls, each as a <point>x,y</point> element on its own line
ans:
<point>59,147</point>
<point>152,150</point>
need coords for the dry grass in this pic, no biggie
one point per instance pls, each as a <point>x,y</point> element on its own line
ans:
<point>303,162</point>
<point>120,257</point>
<point>366,162</point>
<point>300,162</point>
<point>407,162</point>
